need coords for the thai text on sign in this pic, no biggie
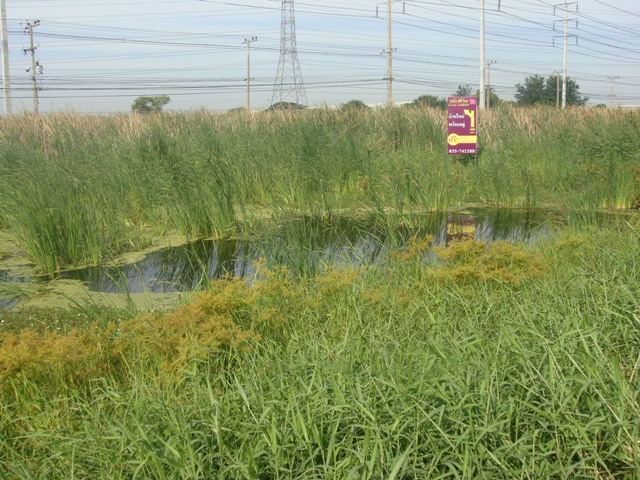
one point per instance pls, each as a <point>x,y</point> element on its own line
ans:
<point>462,116</point>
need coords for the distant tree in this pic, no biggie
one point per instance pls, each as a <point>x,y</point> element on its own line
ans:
<point>150,104</point>
<point>534,92</point>
<point>354,105</point>
<point>538,90</point>
<point>463,91</point>
<point>286,106</point>
<point>554,86</point>
<point>429,101</point>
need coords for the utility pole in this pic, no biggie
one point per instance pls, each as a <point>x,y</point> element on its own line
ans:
<point>482,89</point>
<point>248,42</point>
<point>564,57</point>
<point>613,93</point>
<point>488,94</point>
<point>36,68</point>
<point>389,52</point>
<point>557,75</point>
<point>565,7</point>
<point>6,83</point>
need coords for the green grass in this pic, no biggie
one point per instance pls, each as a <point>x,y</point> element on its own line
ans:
<point>76,189</point>
<point>472,361</point>
<point>494,361</point>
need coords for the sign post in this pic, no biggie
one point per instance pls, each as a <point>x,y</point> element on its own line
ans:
<point>462,117</point>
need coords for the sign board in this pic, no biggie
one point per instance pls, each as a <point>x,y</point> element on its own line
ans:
<point>462,116</point>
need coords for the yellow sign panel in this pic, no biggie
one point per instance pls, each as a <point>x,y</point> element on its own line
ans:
<point>455,139</point>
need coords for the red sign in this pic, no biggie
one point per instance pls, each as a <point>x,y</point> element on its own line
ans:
<point>462,115</point>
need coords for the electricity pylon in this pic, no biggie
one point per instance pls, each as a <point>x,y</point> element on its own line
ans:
<point>289,86</point>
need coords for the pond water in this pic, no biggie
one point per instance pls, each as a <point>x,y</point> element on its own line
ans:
<point>304,246</point>
<point>8,303</point>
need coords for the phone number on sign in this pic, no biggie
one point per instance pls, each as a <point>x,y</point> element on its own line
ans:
<point>462,151</point>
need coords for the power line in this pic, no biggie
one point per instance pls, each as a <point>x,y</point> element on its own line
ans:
<point>626,12</point>
<point>347,44</point>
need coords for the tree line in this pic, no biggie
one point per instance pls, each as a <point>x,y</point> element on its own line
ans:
<point>535,90</point>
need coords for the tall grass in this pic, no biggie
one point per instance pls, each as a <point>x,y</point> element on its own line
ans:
<point>465,361</point>
<point>76,188</point>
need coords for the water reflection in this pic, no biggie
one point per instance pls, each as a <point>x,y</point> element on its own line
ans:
<point>8,303</point>
<point>510,225</point>
<point>305,246</point>
<point>172,269</point>
<point>8,297</point>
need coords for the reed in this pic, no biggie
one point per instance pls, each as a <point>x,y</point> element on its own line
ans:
<point>75,189</point>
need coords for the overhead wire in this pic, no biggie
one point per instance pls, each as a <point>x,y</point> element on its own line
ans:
<point>596,34</point>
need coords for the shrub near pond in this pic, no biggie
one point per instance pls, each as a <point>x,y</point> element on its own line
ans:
<point>226,316</point>
<point>211,321</point>
<point>464,261</point>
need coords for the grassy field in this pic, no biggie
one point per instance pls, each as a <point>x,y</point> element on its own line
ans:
<point>460,360</point>
<point>78,189</point>
<point>472,361</point>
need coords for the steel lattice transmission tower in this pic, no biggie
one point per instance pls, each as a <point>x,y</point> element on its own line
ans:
<point>289,86</point>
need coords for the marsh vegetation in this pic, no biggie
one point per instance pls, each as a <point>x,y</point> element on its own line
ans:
<point>80,189</point>
<point>469,358</point>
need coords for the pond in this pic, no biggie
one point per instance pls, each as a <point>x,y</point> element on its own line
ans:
<point>304,246</point>
<point>8,303</point>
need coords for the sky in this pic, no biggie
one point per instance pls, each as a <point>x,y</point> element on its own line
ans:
<point>100,55</point>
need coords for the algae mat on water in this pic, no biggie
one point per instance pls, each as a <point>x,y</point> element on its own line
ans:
<point>21,286</point>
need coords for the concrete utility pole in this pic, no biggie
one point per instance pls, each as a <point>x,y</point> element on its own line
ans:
<point>389,53</point>
<point>488,94</point>
<point>389,58</point>
<point>36,68</point>
<point>6,83</point>
<point>565,7</point>
<point>564,58</point>
<point>612,96</point>
<point>557,74</point>
<point>482,89</point>
<point>248,42</point>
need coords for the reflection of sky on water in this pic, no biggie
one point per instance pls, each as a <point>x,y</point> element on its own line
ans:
<point>511,226</point>
<point>4,303</point>
<point>304,246</point>
<point>169,270</point>
<point>9,300</point>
